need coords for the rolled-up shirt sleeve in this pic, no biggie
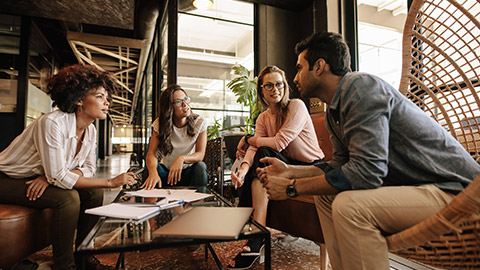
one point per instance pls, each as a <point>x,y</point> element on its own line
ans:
<point>50,143</point>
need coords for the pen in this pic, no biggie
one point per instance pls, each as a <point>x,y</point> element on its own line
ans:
<point>140,204</point>
<point>236,182</point>
<point>172,204</point>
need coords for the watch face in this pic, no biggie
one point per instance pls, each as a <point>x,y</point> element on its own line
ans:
<point>291,191</point>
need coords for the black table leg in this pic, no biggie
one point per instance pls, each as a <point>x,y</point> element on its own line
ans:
<point>215,257</point>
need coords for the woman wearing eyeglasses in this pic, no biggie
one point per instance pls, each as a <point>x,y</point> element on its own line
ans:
<point>285,131</point>
<point>179,141</point>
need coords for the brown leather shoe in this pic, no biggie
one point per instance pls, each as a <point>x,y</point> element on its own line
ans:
<point>93,263</point>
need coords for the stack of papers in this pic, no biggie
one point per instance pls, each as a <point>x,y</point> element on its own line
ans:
<point>124,211</point>
<point>187,195</point>
<point>135,211</point>
<point>139,211</point>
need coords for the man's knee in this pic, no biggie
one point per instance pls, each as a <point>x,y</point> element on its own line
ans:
<point>346,207</point>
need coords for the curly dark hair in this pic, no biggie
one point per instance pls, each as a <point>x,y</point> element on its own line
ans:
<point>330,47</point>
<point>165,119</point>
<point>71,84</point>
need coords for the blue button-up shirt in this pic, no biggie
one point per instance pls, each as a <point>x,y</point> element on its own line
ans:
<point>380,138</point>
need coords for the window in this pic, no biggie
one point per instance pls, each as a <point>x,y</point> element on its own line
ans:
<point>210,42</point>
<point>380,26</point>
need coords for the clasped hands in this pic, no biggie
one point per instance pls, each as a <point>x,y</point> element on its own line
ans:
<point>274,177</point>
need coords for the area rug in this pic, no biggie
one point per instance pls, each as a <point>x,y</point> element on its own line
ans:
<point>287,253</point>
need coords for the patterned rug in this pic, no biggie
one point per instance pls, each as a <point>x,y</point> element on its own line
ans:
<point>287,253</point>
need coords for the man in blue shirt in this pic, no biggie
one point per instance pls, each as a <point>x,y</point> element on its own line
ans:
<point>393,166</point>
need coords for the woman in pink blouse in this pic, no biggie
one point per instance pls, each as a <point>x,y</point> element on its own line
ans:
<point>285,131</point>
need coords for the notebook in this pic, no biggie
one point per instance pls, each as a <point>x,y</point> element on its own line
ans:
<point>124,211</point>
<point>207,223</point>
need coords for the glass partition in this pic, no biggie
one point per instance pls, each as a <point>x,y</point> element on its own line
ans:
<point>210,42</point>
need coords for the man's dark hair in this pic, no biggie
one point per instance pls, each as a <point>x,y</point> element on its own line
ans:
<point>330,47</point>
<point>71,84</point>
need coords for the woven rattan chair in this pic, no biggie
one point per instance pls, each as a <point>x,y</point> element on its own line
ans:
<point>441,68</point>
<point>214,161</point>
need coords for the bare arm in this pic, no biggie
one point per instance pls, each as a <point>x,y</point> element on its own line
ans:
<point>277,186</point>
<point>277,176</point>
<point>176,169</point>
<point>152,163</point>
<point>119,180</point>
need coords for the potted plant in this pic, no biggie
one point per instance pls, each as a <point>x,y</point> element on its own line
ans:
<point>246,91</point>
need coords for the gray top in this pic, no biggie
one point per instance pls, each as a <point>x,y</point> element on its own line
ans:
<point>380,138</point>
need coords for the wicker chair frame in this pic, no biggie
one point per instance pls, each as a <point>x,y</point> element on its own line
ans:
<point>440,74</point>
<point>214,161</point>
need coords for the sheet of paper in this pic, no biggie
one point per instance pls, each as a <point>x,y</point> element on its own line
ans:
<point>188,195</point>
<point>118,210</point>
<point>236,165</point>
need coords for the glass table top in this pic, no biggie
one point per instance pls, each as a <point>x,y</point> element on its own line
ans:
<point>113,234</point>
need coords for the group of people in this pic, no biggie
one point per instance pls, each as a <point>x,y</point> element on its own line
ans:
<point>392,167</point>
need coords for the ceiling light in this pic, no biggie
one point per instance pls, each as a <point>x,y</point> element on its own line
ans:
<point>203,4</point>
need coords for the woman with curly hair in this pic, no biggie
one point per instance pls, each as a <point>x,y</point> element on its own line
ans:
<point>52,163</point>
<point>179,140</point>
<point>285,131</point>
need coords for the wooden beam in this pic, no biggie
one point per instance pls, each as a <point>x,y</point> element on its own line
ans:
<point>105,40</point>
<point>109,53</point>
<point>121,113</point>
<point>121,98</point>
<point>123,102</point>
<point>76,52</point>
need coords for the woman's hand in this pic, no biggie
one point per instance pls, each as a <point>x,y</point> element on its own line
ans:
<point>241,148</point>
<point>175,173</point>
<point>152,181</point>
<point>239,177</point>
<point>122,179</point>
<point>36,187</point>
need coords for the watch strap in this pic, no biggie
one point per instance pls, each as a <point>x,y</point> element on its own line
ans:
<point>248,136</point>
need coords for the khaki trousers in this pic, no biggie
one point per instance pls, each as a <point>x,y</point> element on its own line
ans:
<point>354,222</point>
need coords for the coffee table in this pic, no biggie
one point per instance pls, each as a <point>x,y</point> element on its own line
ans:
<point>111,235</point>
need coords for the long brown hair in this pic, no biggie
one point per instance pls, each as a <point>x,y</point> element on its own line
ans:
<point>165,120</point>
<point>282,106</point>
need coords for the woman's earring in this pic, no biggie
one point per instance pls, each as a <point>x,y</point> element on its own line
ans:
<point>79,109</point>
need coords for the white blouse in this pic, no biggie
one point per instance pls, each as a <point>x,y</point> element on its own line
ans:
<point>47,147</point>
<point>182,143</point>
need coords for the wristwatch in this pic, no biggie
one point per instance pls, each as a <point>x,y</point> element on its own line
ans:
<point>248,136</point>
<point>291,190</point>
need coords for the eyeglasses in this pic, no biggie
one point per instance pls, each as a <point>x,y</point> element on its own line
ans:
<point>178,102</point>
<point>269,86</point>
